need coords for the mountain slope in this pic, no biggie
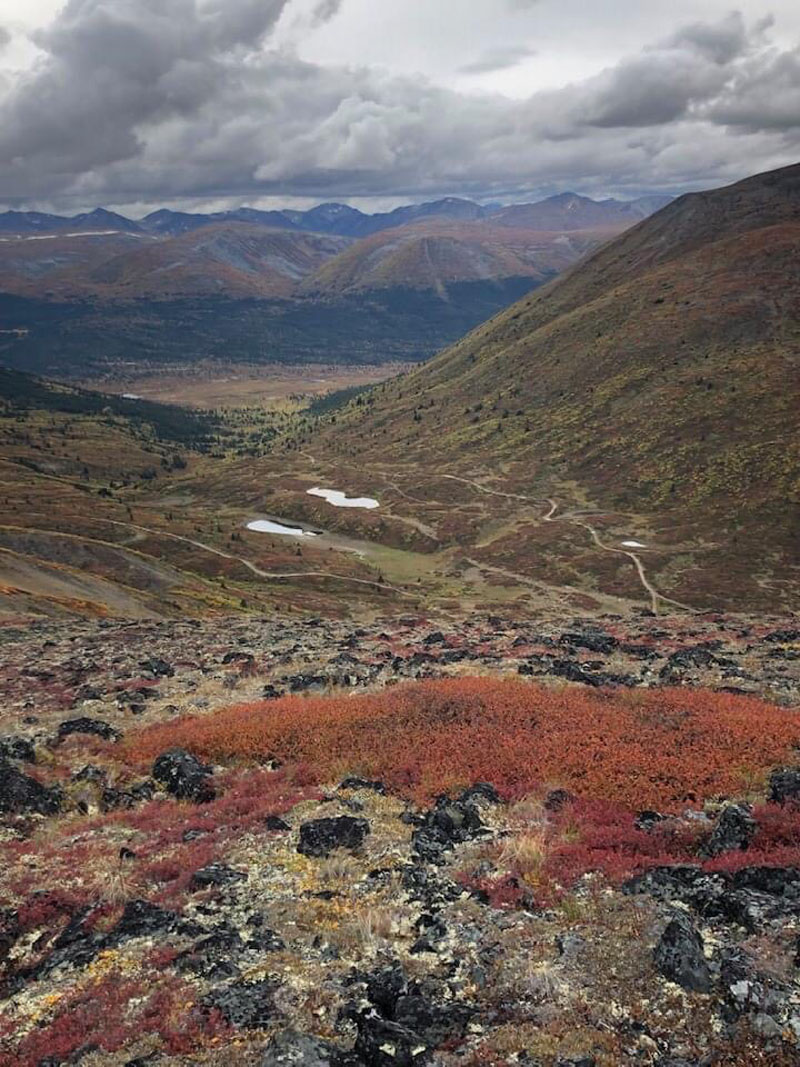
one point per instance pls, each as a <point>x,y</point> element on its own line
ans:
<point>661,374</point>
<point>232,259</point>
<point>236,259</point>
<point>435,255</point>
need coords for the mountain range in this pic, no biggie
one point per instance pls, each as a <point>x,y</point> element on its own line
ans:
<point>78,295</point>
<point>564,211</point>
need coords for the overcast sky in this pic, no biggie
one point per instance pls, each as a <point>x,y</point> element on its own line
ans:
<point>209,103</point>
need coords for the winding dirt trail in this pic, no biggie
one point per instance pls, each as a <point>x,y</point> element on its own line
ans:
<point>271,575</point>
<point>655,596</point>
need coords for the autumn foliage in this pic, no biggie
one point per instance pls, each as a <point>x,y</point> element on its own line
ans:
<point>659,748</point>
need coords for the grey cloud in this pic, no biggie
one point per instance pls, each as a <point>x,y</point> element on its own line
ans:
<point>765,96</point>
<point>652,90</point>
<point>685,73</point>
<point>162,99</point>
<point>113,66</point>
<point>720,42</point>
<point>498,59</point>
<point>5,37</point>
<point>324,11</point>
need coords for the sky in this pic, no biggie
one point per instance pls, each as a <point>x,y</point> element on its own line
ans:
<point>207,104</point>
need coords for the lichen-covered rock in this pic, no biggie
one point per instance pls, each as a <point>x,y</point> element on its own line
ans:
<point>141,919</point>
<point>320,837</point>
<point>215,875</point>
<point>246,1005</point>
<point>184,776</point>
<point>404,1024</point>
<point>679,955</point>
<point>213,956</point>
<point>17,748</point>
<point>292,1049</point>
<point>448,823</point>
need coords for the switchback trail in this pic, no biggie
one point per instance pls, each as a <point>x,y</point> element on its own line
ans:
<point>655,596</point>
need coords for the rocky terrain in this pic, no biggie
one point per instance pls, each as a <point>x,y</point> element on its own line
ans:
<point>327,886</point>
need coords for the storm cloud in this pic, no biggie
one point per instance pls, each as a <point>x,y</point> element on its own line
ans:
<point>151,100</point>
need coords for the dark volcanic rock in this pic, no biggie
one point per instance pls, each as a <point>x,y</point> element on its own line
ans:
<point>21,794</point>
<point>141,919</point>
<point>17,748</point>
<point>213,956</point>
<point>184,776</point>
<point>784,784</point>
<point>320,837</point>
<point>679,955</point>
<point>214,875</point>
<point>406,1022</point>
<point>363,783</point>
<point>85,725</point>
<point>291,1049</point>
<point>735,830</point>
<point>595,642</point>
<point>158,667</point>
<point>449,822</point>
<point>276,823</point>
<point>247,1005</point>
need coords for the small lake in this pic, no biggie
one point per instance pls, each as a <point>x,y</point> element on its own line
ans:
<point>271,527</point>
<point>342,500</point>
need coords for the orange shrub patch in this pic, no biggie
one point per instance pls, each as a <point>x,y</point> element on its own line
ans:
<point>644,748</point>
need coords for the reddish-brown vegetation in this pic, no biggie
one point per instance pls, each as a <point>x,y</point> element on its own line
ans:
<point>658,748</point>
<point>111,1012</point>
<point>598,836</point>
<point>78,865</point>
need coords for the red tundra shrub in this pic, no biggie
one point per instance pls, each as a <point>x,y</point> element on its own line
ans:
<point>657,748</point>
<point>111,1012</point>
